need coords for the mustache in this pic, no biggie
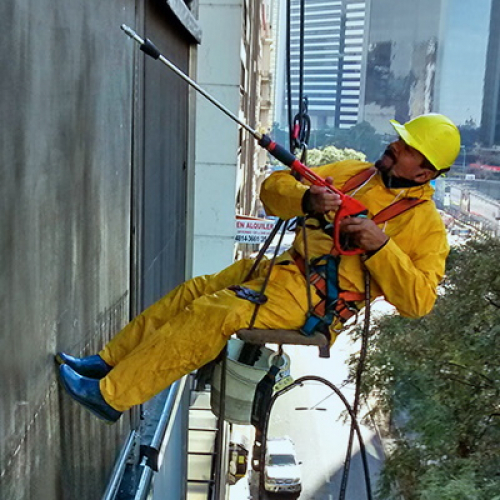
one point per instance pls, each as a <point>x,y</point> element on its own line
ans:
<point>390,153</point>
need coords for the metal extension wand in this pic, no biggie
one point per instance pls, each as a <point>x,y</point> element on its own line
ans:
<point>349,206</point>
<point>149,48</point>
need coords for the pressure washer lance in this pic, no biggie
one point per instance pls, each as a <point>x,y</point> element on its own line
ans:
<point>349,207</point>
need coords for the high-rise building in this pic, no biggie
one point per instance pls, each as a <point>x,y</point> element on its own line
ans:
<point>490,123</point>
<point>426,56</point>
<point>401,62</point>
<point>375,60</point>
<point>334,47</point>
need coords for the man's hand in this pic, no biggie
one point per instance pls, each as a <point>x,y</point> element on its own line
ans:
<point>322,200</point>
<point>363,233</point>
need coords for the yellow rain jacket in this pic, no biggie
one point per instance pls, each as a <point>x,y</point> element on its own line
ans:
<point>407,270</point>
<point>190,325</point>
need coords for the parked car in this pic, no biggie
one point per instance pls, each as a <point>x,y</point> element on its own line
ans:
<point>282,469</point>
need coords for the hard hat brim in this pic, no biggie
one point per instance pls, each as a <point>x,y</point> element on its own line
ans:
<point>403,133</point>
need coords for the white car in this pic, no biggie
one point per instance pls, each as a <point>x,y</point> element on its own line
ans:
<point>282,470</point>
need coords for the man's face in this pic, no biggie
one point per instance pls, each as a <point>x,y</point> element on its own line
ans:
<point>404,162</point>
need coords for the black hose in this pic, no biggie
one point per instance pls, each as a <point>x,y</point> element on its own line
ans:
<point>354,424</point>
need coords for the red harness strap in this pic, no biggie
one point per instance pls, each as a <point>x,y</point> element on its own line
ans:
<point>386,213</point>
<point>345,307</point>
<point>358,179</point>
<point>395,209</point>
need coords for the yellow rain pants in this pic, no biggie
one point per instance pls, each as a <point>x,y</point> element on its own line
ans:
<point>190,326</point>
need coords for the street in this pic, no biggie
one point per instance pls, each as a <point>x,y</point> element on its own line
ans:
<point>313,416</point>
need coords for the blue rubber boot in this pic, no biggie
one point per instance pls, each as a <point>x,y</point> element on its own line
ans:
<point>90,366</point>
<point>86,391</point>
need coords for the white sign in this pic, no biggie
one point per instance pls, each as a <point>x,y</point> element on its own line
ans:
<point>470,177</point>
<point>252,230</point>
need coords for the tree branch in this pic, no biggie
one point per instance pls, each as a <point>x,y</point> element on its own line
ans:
<point>492,302</point>
<point>463,382</point>
<point>492,382</point>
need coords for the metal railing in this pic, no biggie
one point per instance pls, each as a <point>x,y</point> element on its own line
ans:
<point>153,454</point>
<point>156,450</point>
<point>119,469</point>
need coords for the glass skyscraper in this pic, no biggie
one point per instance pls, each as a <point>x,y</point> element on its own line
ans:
<point>334,44</point>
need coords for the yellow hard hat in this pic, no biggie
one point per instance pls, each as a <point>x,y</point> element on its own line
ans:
<point>434,135</point>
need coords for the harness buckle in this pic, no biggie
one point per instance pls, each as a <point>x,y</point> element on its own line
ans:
<point>344,310</point>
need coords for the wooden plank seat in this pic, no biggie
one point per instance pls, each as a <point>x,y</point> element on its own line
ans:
<point>281,337</point>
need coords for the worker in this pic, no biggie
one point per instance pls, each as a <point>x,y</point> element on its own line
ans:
<point>189,327</point>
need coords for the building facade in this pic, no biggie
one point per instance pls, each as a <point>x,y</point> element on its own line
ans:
<point>95,194</point>
<point>490,124</point>
<point>235,69</point>
<point>105,210</point>
<point>376,60</point>
<point>426,56</point>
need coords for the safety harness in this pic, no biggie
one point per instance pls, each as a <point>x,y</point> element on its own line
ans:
<point>335,304</point>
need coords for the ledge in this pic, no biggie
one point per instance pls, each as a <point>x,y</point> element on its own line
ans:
<point>186,18</point>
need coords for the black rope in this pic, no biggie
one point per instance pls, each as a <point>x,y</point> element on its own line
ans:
<point>301,54</point>
<point>268,275</point>
<point>303,122</point>
<point>359,371</point>
<point>264,248</point>
<point>289,76</point>
<point>299,126</point>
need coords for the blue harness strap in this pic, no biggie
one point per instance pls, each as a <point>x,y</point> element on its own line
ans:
<point>325,268</point>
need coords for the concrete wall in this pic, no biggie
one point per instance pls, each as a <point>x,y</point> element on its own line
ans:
<point>219,66</point>
<point>67,102</point>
